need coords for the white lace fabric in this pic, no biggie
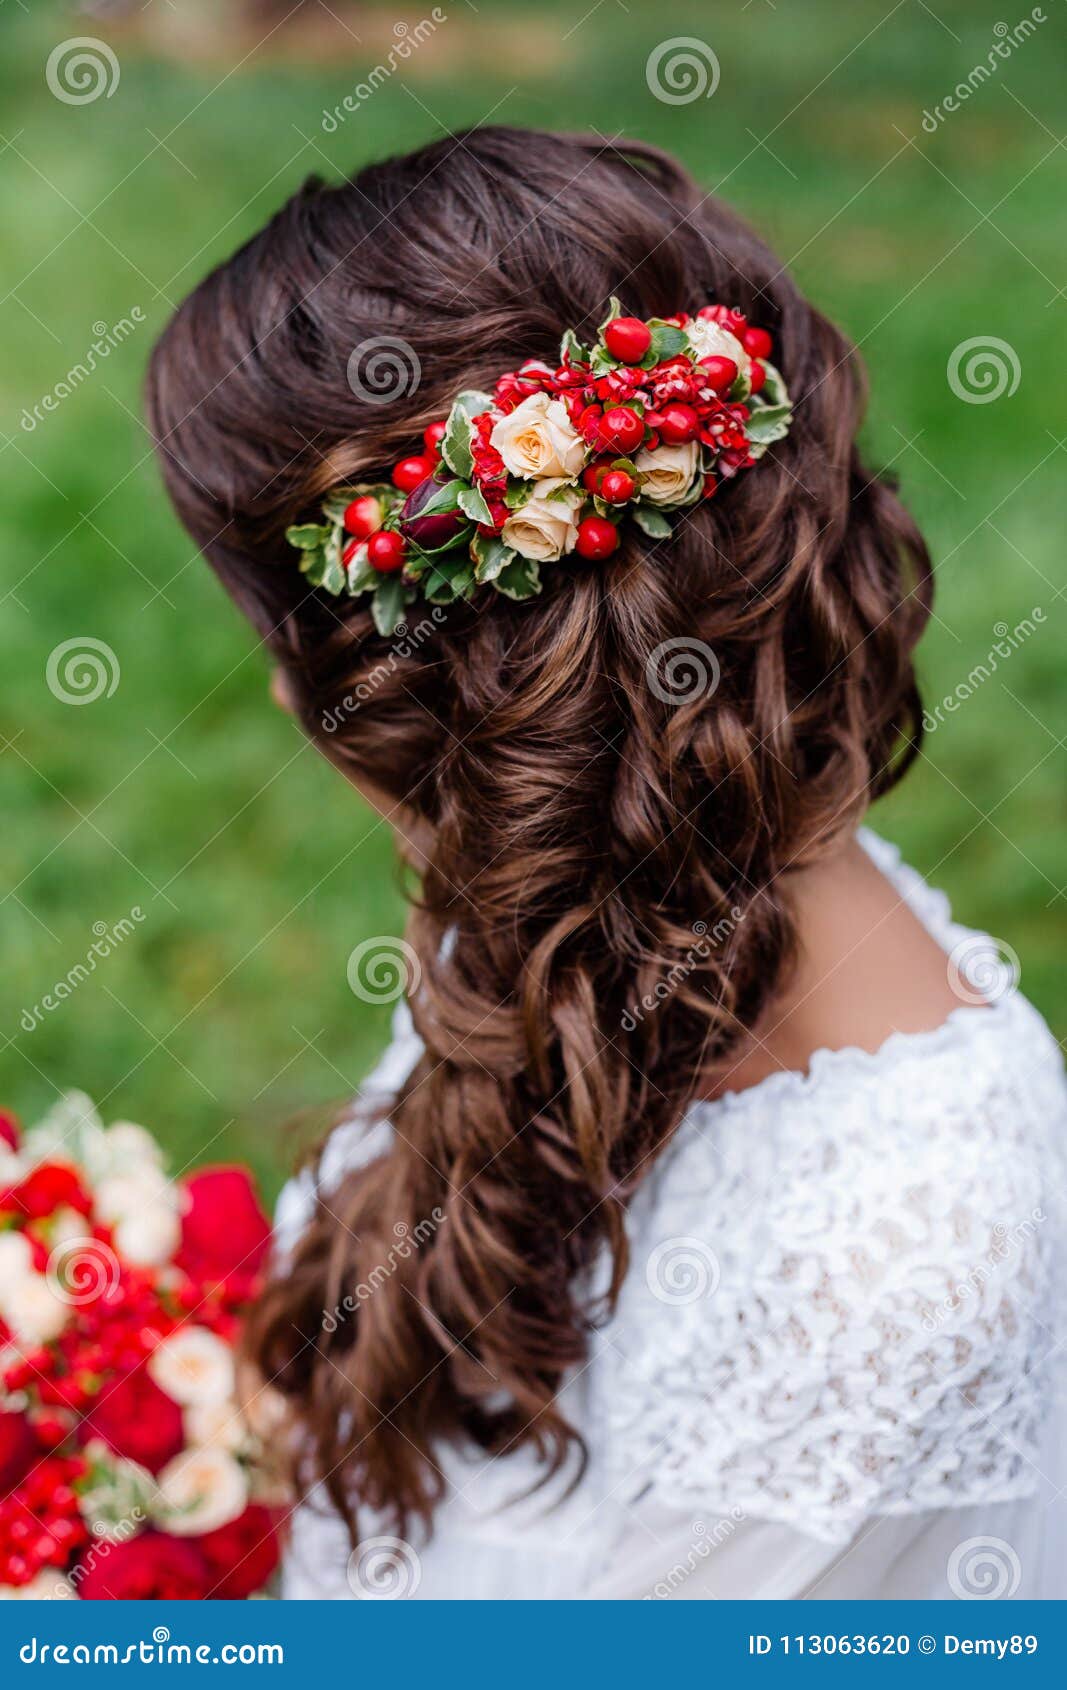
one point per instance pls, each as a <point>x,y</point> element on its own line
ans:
<point>841,1306</point>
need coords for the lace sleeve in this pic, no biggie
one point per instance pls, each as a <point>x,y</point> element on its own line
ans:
<point>846,1320</point>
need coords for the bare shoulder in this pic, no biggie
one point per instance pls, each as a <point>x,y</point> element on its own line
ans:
<point>867,968</point>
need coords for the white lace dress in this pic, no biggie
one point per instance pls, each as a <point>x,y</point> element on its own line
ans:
<point>832,1368</point>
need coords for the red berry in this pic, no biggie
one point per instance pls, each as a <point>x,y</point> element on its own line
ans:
<point>410,471</point>
<point>386,551</point>
<point>350,551</point>
<point>628,339</point>
<point>621,429</point>
<point>678,423</point>
<point>362,516</point>
<point>720,373</point>
<point>433,436</point>
<point>597,537</point>
<point>617,487</point>
<point>593,475</point>
<point>757,374</point>
<point>757,343</point>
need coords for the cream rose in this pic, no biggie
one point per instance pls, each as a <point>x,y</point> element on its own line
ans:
<point>130,1194</point>
<point>46,1586</point>
<point>545,527</point>
<point>148,1239</point>
<point>193,1365</point>
<point>33,1311</point>
<point>219,1424</point>
<point>200,1490</point>
<point>667,473</point>
<point>536,440</point>
<point>710,340</point>
<point>16,1259</point>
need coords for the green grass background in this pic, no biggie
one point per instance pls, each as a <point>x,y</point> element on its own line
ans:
<point>185,793</point>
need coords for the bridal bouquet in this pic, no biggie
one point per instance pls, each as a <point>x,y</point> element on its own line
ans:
<point>127,1469</point>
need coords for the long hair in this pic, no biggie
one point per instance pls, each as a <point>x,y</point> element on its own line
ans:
<point>613,779</point>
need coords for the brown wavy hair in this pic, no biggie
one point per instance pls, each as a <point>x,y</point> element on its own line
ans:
<point>582,824</point>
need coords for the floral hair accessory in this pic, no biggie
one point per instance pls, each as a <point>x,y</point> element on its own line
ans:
<point>645,423</point>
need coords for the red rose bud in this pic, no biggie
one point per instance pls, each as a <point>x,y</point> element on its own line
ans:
<point>720,372</point>
<point>597,537</point>
<point>51,1186</point>
<point>363,516</point>
<point>433,436</point>
<point>440,528</point>
<point>617,487</point>
<point>678,424</point>
<point>149,1567</point>
<point>621,429</point>
<point>410,471</point>
<point>628,339</point>
<point>757,374</point>
<point>224,1228</point>
<point>757,343</point>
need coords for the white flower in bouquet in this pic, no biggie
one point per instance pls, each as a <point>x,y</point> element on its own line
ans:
<point>148,1239</point>
<point>200,1490</point>
<point>129,1193</point>
<point>220,1425</point>
<point>16,1260</point>
<point>668,472</point>
<point>710,340</point>
<point>33,1311</point>
<point>546,526</point>
<point>116,1498</point>
<point>537,439</point>
<point>125,1147</point>
<point>192,1366</point>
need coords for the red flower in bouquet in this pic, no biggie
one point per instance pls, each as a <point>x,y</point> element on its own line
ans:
<point>9,1130</point>
<point>137,1420</point>
<point>152,1567</point>
<point>243,1555</point>
<point>18,1446</point>
<point>224,1229</point>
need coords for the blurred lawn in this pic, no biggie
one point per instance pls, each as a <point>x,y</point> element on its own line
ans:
<point>185,793</point>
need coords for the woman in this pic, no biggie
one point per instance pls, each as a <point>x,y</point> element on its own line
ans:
<point>693,1237</point>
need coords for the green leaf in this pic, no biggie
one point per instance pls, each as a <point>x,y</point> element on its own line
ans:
<point>309,536</point>
<point>473,401</point>
<point>472,504</point>
<point>614,310</point>
<point>602,363</point>
<point>773,391</point>
<point>651,521</point>
<point>570,344</point>
<point>362,578</point>
<point>490,556</point>
<point>519,493</point>
<point>456,444</point>
<point>387,605</point>
<point>312,564</point>
<point>768,423</point>
<point>667,341</point>
<point>446,499</point>
<point>334,579</point>
<point>520,579</point>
